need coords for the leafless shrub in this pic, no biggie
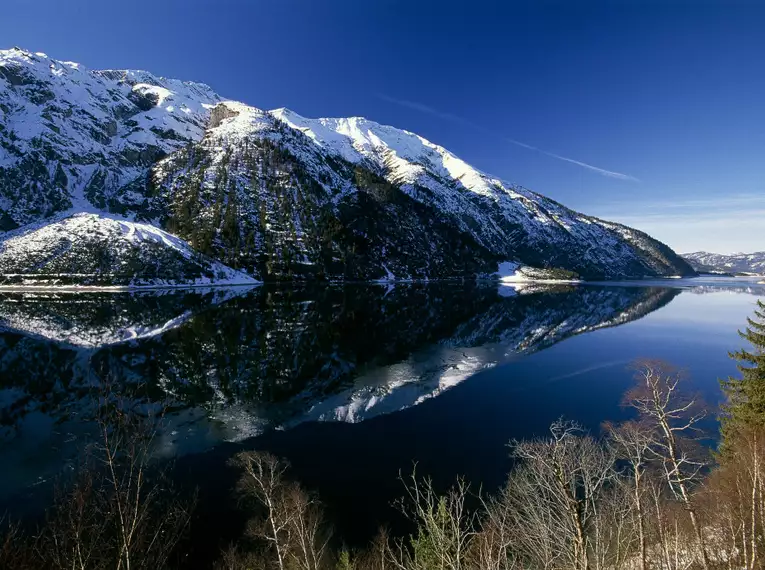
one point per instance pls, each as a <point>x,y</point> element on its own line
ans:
<point>234,558</point>
<point>377,556</point>
<point>445,527</point>
<point>119,512</point>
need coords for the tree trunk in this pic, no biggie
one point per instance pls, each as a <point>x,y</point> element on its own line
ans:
<point>685,495</point>
<point>641,523</point>
<point>755,487</point>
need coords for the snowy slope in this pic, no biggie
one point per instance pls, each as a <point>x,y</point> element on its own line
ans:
<point>336,164</point>
<point>735,263</point>
<point>430,173</point>
<point>71,138</point>
<point>96,250</point>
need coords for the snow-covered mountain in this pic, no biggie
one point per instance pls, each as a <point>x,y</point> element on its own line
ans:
<point>276,194</point>
<point>703,261</point>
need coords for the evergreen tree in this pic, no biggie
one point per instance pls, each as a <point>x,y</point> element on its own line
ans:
<point>746,395</point>
<point>230,231</point>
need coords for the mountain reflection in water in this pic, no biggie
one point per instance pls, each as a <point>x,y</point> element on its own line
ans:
<point>259,358</point>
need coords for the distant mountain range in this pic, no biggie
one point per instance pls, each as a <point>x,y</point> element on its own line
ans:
<point>268,193</point>
<point>705,262</point>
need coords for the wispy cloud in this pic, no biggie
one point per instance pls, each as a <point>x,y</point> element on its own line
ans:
<point>422,108</point>
<point>713,206</point>
<point>468,123</point>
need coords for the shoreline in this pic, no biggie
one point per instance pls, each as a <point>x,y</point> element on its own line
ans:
<point>504,282</point>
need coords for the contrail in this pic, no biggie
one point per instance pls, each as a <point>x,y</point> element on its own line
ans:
<point>421,107</point>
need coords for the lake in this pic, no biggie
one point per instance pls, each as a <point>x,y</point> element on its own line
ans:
<point>351,383</point>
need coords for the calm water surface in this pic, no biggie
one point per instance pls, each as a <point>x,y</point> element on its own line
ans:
<point>350,383</point>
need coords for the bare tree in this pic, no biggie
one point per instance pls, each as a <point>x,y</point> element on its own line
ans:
<point>672,417</point>
<point>673,543</point>
<point>294,524</point>
<point>557,500</point>
<point>633,442</point>
<point>148,520</point>
<point>75,531</point>
<point>612,538</point>
<point>445,527</point>
<point>263,479</point>
<point>491,548</point>
<point>16,549</point>
<point>120,510</point>
<point>310,533</point>
<point>734,499</point>
<point>533,519</point>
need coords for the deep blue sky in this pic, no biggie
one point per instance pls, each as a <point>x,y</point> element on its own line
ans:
<point>668,94</point>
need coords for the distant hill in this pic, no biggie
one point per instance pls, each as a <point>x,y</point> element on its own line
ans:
<point>703,261</point>
<point>97,250</point>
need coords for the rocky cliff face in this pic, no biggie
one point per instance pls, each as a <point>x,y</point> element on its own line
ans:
<point>278,195</point>
<point>71,138</point>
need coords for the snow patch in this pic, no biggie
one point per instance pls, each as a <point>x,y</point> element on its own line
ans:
<point>161,93</point>
<point>509,271</point>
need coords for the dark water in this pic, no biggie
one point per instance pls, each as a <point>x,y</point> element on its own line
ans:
<point>350,383</point>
